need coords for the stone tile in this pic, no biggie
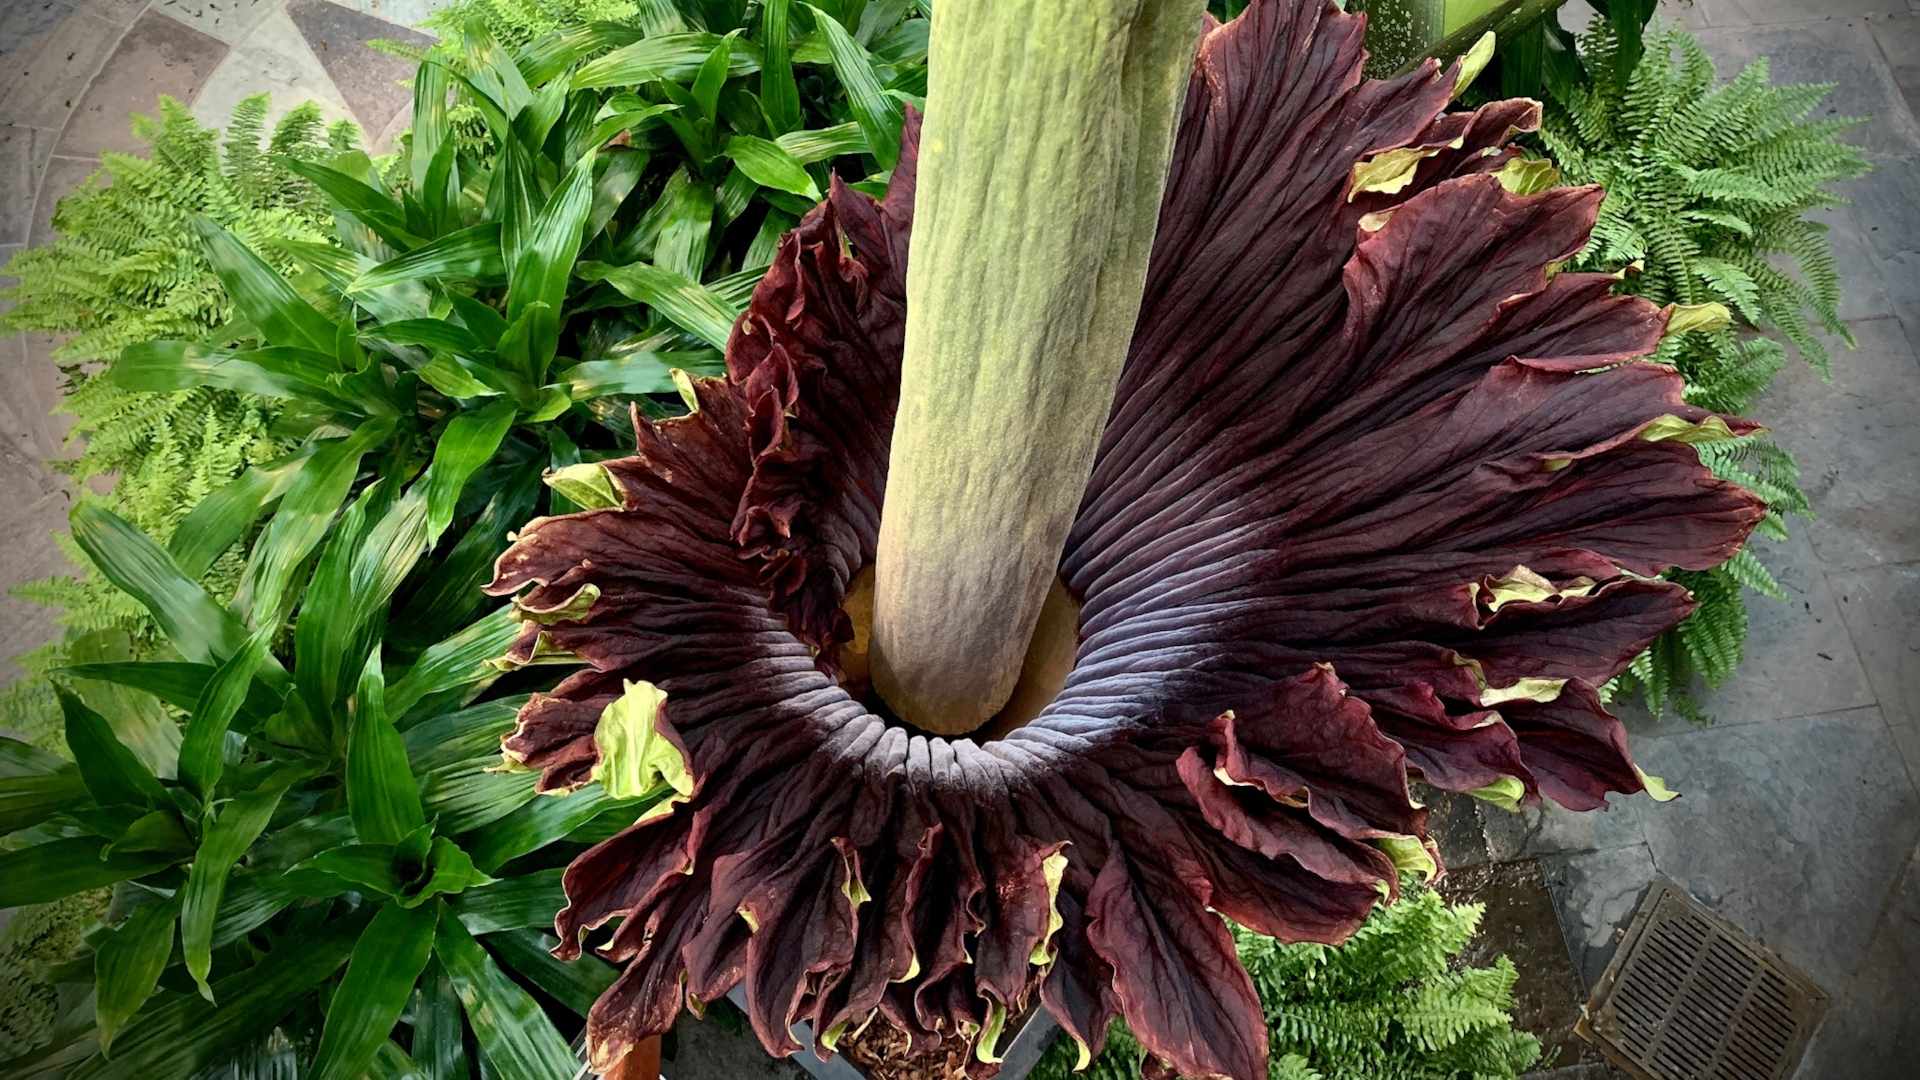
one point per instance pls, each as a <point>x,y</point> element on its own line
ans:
<point>7,252</point>
<point>228,20</point>
<point>1770,12</point>
<point>371,82</point>
<point>1873,1025</point>
<point>48,54</point>
<point>1857,439</point>
<point>157,56</point>
<point>117,12</point>
<point>1689,13</point>
<point>34,383</point>
<point>1887,206</point>
<point>1840,51</point>
<point>1799,659</point>
<point>1881,607</point>
<point>1794,831</point>
<point>1863,287</point>
<point>19,177</point>
<point>1594,894</point>
<point>1550,829</point>
<point>273,59</point>
<point>1899,38</point>
<point>63,175</point>
<point>27,553</point>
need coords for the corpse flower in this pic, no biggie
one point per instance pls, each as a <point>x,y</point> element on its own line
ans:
<point>1371,492</point>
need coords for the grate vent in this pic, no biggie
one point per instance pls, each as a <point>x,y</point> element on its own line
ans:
<point>1690,997</point>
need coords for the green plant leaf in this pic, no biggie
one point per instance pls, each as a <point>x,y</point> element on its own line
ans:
<point>439,1042</point>
<point>382,795</point>
<point>634,373</point>
<point>159,832</point>
<point>386,963</point>
<point>428,333</point>
<point>178,684</point>
<point>361,566</point>
<point>59,868</point>
<point>685,228</point>
<point>375,209</point>
<point>202,751</point>
<point>456,662</point>
<point>184,1034</point>
<point>430,124</point>
<point>711,77</point>
<point>449,872</point>
<point>226,834</point>
<point>127,966</point>
<point>470,254</point>
<point>515,903</point>
<point>538,288</point>
<point>539,823</point>
<point>666,56</point>
<point>620,171</point>
<point>470,440</point>
<point>877,112</point>
<point>515,1036</point>
<point>26,801</point>
<point>349,867</point>
<point>821,144</point>
<point>199,627</point>
<point>23,759</point>
<point>779,93</point>
<point>577,984</point>
<point>165,366</point>
<point>690,306</point>
<point>225,516</point>
<point>259,292</point>
<point>770,166</point>
<point>306,514</point>
<point>111,772</point>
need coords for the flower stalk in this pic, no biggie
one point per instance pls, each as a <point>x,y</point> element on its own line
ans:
<point>1048,133</point>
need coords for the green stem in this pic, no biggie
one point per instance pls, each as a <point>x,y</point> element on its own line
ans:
<point>1044,152</point>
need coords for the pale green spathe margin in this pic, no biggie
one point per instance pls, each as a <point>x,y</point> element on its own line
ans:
<point>1044,152</point>
<point>635,759</point>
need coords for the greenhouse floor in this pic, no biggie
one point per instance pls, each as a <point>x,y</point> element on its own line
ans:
<point>1800,814</point>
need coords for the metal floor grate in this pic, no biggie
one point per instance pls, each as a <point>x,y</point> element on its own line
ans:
<point>1688,996</point>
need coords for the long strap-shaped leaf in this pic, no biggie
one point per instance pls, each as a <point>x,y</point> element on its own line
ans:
<point>227,834</point>
<point>514,1034</point>
<point>386,963</point>
<point>127,966</point>
<point>382,796</point>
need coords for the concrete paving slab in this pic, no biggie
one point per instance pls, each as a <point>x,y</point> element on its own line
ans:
<point>1863,286</point>
<point>228,20</point>
<point>60,176</point>
<point>1887,206</point>
<point>63,175</point>
<point>1858,443</point>
<point>19,177</point>
<point>1840,51</point>
<point>1799,658</point>
<point>1594,893</point>
<point>33,391</point>
<point>371,82</point>
<point>1899,40</point>
<point>1873,1025</point>
<point>1548,829</point>
<point>157,56</point>
<point>1764,12</point>
<point>1454,821</point>
<point>117,12</point>
<point>48,54</point>
<point>39,511</point>
<point>1881,608</point>
<point>273,58</point>
<point>1796,831</point>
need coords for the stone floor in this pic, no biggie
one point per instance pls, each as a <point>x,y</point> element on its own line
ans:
<point>1799,816</point>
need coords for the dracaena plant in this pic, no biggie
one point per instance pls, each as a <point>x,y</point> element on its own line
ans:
<point>1019,605</point>
<point>320,850</point>
<point>478,309</point>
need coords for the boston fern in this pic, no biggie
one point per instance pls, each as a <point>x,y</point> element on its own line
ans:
<point>1708,188</point>
<point>125,268</point>
<point>1393,1003</point>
